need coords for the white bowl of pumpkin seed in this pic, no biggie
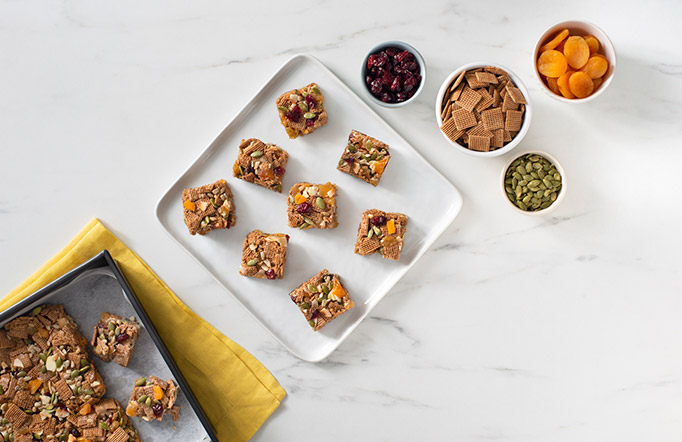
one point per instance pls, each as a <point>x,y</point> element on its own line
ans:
<point>533,183</point>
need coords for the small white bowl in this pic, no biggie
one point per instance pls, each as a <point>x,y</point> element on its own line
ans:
<point>559,169</point>
<point>526,118</point>
<point>582,28</point>
<point>403,47</point>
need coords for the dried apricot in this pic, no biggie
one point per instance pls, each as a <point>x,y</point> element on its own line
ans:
<point>553,43</point>
<point>581,84</point>
<point>592,42</point>
<point>597,82</point>
<point>553,86</point>
<point>596,67</point>
<point>576,51</point>
<point>552,63</point>
<point>562,84</point>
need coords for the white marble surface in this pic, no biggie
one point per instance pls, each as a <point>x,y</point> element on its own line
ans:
<point>565,328</point>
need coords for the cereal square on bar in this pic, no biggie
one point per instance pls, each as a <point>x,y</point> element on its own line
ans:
<point>381,232</point>
<point>312,205</point>
<point>321,299</point>
<point>261,163</point>
<point>364,157</point>
<point>208,208</point>
<point>301,111</point>
<point>114,338</point>
<point>153,397</point>
<point>264,255</point>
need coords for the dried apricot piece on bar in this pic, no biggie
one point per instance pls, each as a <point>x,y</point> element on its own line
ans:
<point>553,43</point>
<point>581,84</point>
<point>596,67</point>
<point>552,64</point>
<point>576,51</point>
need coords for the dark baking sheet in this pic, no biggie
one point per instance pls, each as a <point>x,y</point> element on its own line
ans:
<point>96,286</point>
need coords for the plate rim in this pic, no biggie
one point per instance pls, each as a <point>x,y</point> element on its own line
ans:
<point>437,231</point>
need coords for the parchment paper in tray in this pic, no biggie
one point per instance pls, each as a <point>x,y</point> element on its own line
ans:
<point>85,298</point>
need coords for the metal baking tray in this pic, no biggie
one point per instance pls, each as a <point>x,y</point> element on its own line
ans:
<point>97,286</point>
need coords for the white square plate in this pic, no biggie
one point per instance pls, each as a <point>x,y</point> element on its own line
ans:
<point>409,185</point>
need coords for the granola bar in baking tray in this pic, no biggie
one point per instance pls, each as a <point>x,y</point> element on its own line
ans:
<point>92,288</point>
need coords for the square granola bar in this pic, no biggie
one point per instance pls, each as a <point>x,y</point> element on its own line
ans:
<point>264,255</point>
<point>312,205</point>
<point>261,163</point>
<point>208,207</point>
<point>381,232</point>
<point>114,338</point>
<point>365,157</point>
<point>153,397</point>
<point>321,299</point>
<point>301,111</point>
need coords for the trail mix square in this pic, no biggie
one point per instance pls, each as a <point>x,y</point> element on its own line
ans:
<point>364,157</point>
<point>208,208</point>
<point>479,102</point>
<point>114,338</point>
<point>302,111</point>
<point>381,232</point>
<point>312,205</point>
<point>153,397</point>
<point>264,255</point>
<point>322,299</point>
<point>49,388</point>
<point>261,163</point>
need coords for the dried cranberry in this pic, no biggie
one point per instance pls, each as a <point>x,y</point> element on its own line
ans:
<point>404,56</point>
<point>376,87</point>
<point>377,59</point>
<point>310,101</point>
<point>270,274</point>
<point>157,409</point>
<point>294,114</point>
<point>75,433</point>
<point>293,298</point>
<point>349,160</point>
<point>122,337</point>
<point>250,169</point>
<point>287,236</point>
<point>392,51</point>
<point>386,97</point>
<point>368,80</point>
<point>310,122</point>
<point>315,314</point>
<point>402,96</point>
<point>397,84</point>
<point>379,220</point>
<point>410,65</point>
<point>279,170</point>
<point>303,208</point>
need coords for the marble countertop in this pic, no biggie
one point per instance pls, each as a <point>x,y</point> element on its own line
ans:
<point>510,328</point>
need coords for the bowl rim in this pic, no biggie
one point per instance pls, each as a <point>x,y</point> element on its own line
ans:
<point>559,169</point>
<point>526,119</point>
<point>604,41</point>
<point>404,46</point>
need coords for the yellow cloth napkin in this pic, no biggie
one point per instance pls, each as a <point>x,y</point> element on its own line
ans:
<point>236,392</point>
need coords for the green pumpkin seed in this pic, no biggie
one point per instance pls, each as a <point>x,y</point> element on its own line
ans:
<point>215,206</point>
<point>312,323</point>
<point>377,231</point>
<point>326,289</point>
<point>252,262</point>
<point>241,171</point>
<point>36,311</point>
<point>21,374</point>
<point>59,362</point>
<point>308,221</point>
<point>303,106</point>
<point>309,115</point>
<point>148,402</point>
<point>283,109</point>
<point>351,148</point>
<point>111,326</point>
<point>257,154</point>
<point>342,162</point>
<point>43,357</point>
<point>370,233</point>
<point>103,426</point>
<point>89,391</point>
<point>312,288</point>
<point>316,91</point>
<point>305,305</point>
<point>142,398</point>
<point>368,145</point>
<point>320,203</point>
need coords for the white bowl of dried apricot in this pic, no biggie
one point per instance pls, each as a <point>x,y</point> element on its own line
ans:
<point>574,61</point>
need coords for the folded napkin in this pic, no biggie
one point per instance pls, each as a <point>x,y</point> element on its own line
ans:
<point>236,392</point>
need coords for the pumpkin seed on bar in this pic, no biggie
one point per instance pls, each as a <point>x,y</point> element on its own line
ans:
<point>257,154</point>
<point>320,203</point>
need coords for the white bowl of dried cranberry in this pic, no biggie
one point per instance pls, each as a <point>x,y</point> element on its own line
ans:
<point>393,74</point>
<point>456,125</point>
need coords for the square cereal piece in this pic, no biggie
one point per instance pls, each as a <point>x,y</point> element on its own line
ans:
<point>513,120</point>
<point>153,397</point>
<point>208,207</point>
<point>479,143</point>
<point>261,163</point>
<point>301,111</point>
<point>264,255</point>
<point>321,299</point>
<point>464,119</point>
<point>365,158</point>
<point>468,99</point>
<point>493,119</point>
<point>381,232</point>
<point>114,338</point>
<point>312,205</point>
